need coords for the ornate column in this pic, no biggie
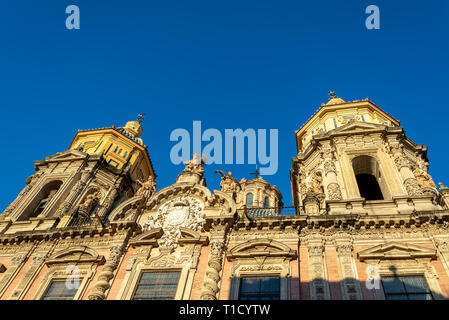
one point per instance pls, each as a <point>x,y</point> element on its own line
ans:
<point>319,286</point>
<point>350,285</point>
<point>36,265</point>
<point>403,165</point>
<point>67,204</point>
<point>102,284</point>
<point>214,265</point>
<point>108,201</point>
<point>16,264</point>
<point>330,171</point>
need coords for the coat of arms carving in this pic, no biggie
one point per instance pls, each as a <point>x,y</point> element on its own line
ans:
<point>180,212</point>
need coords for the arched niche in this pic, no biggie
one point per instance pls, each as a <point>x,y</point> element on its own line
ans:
<point>370,179</point>
<point>41,200</point>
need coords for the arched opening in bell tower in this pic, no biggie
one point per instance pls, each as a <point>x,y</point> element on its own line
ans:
<point>41,200</point>
<point>369,178</point>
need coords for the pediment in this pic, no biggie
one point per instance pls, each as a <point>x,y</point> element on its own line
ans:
<point>148,238</point>
<point>261,248</point>
<point>358,126</point>
<point>124,211</point>
<point>395,250</point>
<point>68,155</point>
<point>76,255</point>
<point>190,236</point>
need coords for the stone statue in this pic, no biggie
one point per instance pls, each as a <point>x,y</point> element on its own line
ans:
<point>147,188</point>
<point>90,202</point>
<point>317,184</point>
<point>423,178</point>
<point>195,165</point>
<point>228,182</point>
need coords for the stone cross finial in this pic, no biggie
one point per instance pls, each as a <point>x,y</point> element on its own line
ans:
<point>256,173</point>
<point>140,117</point>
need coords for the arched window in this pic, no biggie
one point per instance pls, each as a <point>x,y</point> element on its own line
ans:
<point>40,202</point>
<point>266,202</point>
<point>370,181</point>
<point>249,200</point>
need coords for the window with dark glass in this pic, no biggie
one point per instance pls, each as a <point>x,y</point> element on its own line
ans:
<point>406,288</point>
<point>60,290</point>
<point>157,286</point>
<point>266,202</point>
<point>259,288</point>
<point>249,200</point>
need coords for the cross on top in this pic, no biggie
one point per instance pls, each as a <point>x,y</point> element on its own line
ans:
<point>256,173</point>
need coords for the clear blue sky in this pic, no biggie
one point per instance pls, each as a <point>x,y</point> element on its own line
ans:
<point>231,64</point>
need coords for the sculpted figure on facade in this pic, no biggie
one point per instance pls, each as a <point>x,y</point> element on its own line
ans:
<point>423,178</point>
<point>316,185</point>
<point>195,165</point>
<point>90,202</point>
<point>228,182</point>
<point>147,188</point>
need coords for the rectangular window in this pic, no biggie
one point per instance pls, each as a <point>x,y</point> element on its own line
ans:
<point>335,123</point>
<point>113,163</point>
<point>406,288</point>
<point>108,149</point>
<point>259,288</point>
<point>60,290</point>
<point>157,286</point>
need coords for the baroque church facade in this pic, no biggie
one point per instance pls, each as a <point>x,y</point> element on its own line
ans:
<point>367,221</point>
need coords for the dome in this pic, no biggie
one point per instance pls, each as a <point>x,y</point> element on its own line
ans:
<point>134,128</point>
<point>335,101</point>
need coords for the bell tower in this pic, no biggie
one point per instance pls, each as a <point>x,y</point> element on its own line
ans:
<point>120,146</point>
<point>83,184</point>
<point>355,158</point>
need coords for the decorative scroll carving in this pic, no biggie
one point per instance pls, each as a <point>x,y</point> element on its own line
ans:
<point>329,166</point>
<point>334,191</point>
<point>18,259</point>
<point>401,161</point>
<point>412,187</point>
